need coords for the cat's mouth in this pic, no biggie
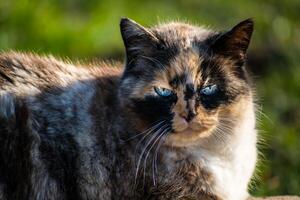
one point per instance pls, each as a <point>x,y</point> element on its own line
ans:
<point>190,130</point>
<point>188,135</point>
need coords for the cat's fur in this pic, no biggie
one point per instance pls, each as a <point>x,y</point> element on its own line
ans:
<point>77,132</point>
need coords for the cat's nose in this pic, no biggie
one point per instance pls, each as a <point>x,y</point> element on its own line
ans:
<point>189,116</point>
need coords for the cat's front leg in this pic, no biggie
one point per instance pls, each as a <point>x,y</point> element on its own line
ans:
<point>189,181</point>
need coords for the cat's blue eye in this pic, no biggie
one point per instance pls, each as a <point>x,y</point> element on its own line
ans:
<point>209,90</point>
<point>163,92</point>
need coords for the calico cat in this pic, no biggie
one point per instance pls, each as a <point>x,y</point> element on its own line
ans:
<point>178,122</point>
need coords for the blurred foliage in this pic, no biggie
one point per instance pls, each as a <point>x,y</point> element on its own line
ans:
<point>88,29</point>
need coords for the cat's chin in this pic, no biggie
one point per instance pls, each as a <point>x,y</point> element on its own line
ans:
<point>187,137</point>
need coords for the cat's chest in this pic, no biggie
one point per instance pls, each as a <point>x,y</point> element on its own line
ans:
<point>213,171</point>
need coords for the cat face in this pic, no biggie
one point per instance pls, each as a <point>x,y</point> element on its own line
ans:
<point>184,80</point>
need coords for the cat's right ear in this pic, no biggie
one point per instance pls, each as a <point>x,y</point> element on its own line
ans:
<point>137,39</point>
<point>234,43</point>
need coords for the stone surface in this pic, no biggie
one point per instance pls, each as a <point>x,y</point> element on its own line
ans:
<point>275,198</point>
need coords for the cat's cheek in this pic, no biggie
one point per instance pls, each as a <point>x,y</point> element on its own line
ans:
<point>151,110</point>
<point>234,110</point>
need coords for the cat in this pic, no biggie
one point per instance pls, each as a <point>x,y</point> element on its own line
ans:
<point>178,122</point>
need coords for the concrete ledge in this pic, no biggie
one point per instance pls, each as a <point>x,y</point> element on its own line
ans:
<point>275,198</point>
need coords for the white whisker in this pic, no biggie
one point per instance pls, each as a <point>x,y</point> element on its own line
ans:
<point>154,162</point>
<point>149,129</point>
<point>157,139</point>
<point>157,136</point>
<point>144,150</point>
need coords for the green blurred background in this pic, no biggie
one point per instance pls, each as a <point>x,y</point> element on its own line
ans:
<point>89,29</point>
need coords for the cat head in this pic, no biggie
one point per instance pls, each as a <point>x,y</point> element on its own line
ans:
<point>184,81</point>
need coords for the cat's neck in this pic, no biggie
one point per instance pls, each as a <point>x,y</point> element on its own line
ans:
<point>105,107</point>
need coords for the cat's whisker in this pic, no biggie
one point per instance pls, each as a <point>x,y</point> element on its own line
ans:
<point>154,162</point>
<point>144,150</point>
<point>227,120</point>
<point>221,131</point>
<point>155,138</point>
<point>219,135</point>
<point>262,115</point>
<point>149,150</point>
<point>227,123</point>
<point>226,128</point>
<point>131,61</point>
<point>221,127</point>
<point>153,126</point>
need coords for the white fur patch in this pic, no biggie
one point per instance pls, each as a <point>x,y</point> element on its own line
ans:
<point>232,165</point>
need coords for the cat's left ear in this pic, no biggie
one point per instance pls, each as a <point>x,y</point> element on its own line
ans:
<point>137,39</point>
<point>234,43</point>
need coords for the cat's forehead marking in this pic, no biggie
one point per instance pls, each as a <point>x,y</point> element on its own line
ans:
<point>184,68</point>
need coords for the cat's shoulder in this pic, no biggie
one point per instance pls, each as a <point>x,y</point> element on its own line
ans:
<point>30,68</point>
<point>47,69</point>
<point>25,75</point>
<point>13,60</point>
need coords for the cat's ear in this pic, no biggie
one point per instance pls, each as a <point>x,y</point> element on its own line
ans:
<point>234,43</point>
<point>137,39</point>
